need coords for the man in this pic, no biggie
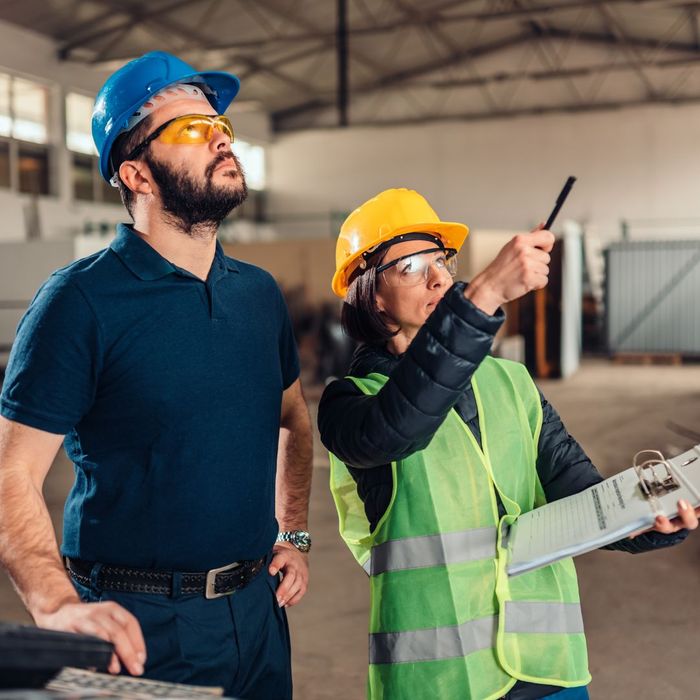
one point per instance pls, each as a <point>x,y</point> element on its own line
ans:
<point>171,370</point>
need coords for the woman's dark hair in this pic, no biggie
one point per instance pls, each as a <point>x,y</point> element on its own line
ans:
<point>124,145</point>
<point>360,318</point>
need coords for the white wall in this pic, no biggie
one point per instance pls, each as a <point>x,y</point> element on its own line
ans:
<point>636,163</point>
<point>34,56</point>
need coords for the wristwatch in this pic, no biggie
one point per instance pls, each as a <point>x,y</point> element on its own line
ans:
<point>299,538</point>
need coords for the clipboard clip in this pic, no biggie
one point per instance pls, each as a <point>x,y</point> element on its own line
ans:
<point>656,477</point>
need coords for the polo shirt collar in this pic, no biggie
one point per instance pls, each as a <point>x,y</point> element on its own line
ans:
<point>142,259</point>
<point>228,262</point>
<point>146,262</point>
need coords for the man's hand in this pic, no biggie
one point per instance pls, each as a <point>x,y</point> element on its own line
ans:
<point>110,622</point>
<point>521,266</point>
<point>294,566</point>
<point>29,552</point>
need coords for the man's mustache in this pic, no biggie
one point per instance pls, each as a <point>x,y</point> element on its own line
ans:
<point>220,158</point>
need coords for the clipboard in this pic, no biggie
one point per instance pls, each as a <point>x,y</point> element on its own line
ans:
<point>606,512</point>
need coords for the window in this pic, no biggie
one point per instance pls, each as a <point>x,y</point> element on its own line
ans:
<point>83,177</point>
<point>5,106</point>
<point>24,155</point>
<point>23,109</point>
<point>87,181</point>
<point>29,110</point>
<point>33,169</point>
<point>253,161</point>
<point>78,124</point>
<point>5,178</point>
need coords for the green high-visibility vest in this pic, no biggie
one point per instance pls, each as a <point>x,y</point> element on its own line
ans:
<point>446,621</point>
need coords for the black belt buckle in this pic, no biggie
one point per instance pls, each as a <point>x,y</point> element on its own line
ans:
<point>209,586</point>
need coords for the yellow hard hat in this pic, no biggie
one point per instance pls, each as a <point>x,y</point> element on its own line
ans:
<point>382,218</point>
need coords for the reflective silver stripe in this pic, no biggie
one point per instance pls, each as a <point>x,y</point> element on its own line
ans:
<point>434,550</point>
<point>433,644</point>
<point>545,618</point>
<point>367,566</point>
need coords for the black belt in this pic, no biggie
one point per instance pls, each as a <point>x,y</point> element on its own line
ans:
<point>213,583</point>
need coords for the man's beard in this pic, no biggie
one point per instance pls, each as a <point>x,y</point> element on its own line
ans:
<point>193,207</point>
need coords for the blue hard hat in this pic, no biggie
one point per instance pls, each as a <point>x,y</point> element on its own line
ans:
<point>134,83</point>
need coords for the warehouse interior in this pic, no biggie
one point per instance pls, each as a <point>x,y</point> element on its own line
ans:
<point>483,106</point>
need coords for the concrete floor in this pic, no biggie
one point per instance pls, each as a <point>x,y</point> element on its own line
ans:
<point>642,613</point>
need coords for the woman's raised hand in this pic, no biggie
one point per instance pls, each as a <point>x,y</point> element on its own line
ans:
<point>521,266</point>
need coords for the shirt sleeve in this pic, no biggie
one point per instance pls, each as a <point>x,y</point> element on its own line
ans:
<point>55,360</point>
<point>289,357</point>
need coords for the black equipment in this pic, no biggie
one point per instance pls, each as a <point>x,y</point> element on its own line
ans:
<point>30,656</point>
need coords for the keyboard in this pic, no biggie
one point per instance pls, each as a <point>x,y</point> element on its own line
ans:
<point>81,683</point>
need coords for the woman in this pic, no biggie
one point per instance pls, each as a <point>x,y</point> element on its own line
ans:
<point>433,446</point>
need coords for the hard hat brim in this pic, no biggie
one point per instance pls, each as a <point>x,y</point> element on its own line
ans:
<point>452,234</point>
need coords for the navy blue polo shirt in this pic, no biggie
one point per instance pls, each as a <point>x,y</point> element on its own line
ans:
<point>168,390</point>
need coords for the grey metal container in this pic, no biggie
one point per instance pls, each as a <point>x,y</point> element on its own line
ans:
<point>652,297</point>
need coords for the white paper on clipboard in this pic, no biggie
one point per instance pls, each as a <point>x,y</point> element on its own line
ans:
<point>604,513</point>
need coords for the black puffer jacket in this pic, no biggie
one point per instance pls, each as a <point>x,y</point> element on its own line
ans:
<point>432,377</point>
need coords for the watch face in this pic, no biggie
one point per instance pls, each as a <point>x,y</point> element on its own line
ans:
<point>301,540</point>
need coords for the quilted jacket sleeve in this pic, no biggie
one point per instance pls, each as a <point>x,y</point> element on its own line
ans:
<point>425,384</point>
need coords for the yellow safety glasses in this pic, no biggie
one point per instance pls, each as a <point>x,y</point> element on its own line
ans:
<point>189,129</point>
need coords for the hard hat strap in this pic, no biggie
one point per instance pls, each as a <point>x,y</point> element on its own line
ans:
<point>411,236</point>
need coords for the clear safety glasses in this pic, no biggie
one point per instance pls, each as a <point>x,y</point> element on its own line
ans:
<point>189,129</point>
<point>411,270</point>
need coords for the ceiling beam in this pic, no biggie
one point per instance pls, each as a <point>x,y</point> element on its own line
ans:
<point>435,17</point>
<point>329,38</point>
<point>542,11</point>
<point>134,16</point>
<point>609,39</point>
<point>576,72</point>
<point>464,55</point>
<point>94,22</point>
<point>288,58</point>
<point>313,33</point>
<point>548,53</point>
<point>391,79</point>
<point>253,65</point>
<point>434,31</point>
<point>342,60</point>
<point>632,51</point>
<point>694,19</point>
<point>573,108</point>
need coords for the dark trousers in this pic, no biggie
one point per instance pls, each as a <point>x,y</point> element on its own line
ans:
<point>239,642</point>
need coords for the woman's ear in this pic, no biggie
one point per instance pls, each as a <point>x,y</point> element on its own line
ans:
<point>379,303</point>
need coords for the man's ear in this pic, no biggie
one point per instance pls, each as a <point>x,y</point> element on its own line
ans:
<point>136,176</point>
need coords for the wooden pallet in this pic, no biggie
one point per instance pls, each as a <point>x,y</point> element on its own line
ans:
<point>647,358</point>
